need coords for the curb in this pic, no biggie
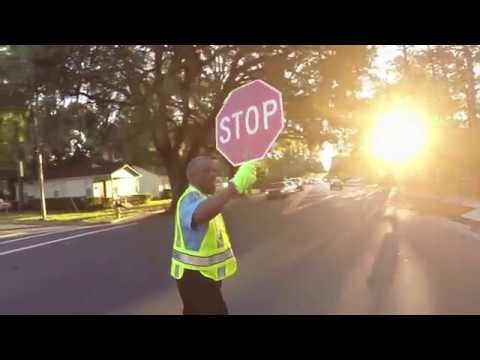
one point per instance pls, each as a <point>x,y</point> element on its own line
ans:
<point>26,227</point>
<point>79,223</point>
<point>133,218</point>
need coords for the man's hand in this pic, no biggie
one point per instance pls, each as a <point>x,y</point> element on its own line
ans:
<point>245,177</point>
<point>213,205</point>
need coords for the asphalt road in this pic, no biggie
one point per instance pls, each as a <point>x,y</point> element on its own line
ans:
<point>316,252</point>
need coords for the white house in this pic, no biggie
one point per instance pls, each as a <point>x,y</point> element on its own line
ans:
<point>85,179</point>
<point>152,182</point>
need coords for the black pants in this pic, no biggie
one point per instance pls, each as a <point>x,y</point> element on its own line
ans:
<point>200,295</point>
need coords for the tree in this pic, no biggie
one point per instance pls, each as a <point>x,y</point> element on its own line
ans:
<point>160,101</point>
<point>172,93</point>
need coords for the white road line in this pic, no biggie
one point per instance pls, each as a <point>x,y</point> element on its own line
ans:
<point>330,196</point>
<point>296,201</point>
<point>11,235</point>
<point>63,239</point>
<point>46,233</point>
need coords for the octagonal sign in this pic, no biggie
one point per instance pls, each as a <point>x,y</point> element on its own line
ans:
<point>249,122</point>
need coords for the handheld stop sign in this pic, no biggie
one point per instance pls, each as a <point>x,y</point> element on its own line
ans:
<point>249,122</point>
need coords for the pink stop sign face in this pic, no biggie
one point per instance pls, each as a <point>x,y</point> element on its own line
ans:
<point>249,122</point>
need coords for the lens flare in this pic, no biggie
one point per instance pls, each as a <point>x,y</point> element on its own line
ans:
<point>399,136</point>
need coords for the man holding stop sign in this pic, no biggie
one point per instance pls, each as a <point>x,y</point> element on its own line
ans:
<point>247,126</point>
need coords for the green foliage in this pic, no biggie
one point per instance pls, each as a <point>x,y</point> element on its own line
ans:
<point>156,104</point>
<point>139,199</point>
<point>67,204</point>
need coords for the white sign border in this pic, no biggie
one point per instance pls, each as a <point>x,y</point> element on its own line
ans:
<point>282,114</point>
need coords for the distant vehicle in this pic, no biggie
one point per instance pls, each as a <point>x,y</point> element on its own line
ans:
<point>327,179</point>
<point>296,183</point>
<point>5,205</point>
<point>336,184</point>
<point>221,184</point>
<point>279,190</point>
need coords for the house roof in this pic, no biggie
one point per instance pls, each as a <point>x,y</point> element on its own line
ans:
<point>160,171</point>
<point>85,168</point>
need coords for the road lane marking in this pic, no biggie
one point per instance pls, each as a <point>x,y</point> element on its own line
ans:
<point>63,239</point>
<point>46,233</point>
<point>11,235</point>
<point>293,205</point>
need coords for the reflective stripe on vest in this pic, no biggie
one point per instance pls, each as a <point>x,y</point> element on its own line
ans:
<point>202,261</point>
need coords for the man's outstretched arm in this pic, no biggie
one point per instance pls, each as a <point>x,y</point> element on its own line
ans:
<point>212,206</point>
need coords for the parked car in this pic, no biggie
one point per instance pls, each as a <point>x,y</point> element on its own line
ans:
<point>166,194</point>
<point>5,205</point>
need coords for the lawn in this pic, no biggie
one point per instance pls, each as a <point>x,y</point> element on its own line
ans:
<point>83,216</point>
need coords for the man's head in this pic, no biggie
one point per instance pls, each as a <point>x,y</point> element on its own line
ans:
<point>202,173</point>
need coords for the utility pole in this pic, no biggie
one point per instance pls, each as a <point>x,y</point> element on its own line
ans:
<point>21,175</point>
<point>39,157</point>
<point>20,157</point>
<point>42,185</point>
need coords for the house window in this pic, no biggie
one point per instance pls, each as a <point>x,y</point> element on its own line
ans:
<point>88,192</point>
<point>56,193</point>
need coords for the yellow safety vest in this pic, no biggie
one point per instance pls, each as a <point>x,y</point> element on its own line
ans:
<point>214,259</point>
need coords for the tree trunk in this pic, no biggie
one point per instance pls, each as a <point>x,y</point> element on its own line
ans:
<point>405,59</point>
<point>176,172</point>
<point>470,87</point>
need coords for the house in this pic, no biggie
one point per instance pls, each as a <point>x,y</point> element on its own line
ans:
<point>153,181</point>
<point>85,179</point>
<point>7,181</point>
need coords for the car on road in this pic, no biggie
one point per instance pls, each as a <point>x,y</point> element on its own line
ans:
<point>296,183</point>
<point>279,190</point>
<point>336,184</point>
<point>327,179</point>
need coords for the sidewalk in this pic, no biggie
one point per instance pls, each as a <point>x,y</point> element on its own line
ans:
<point>9,227</point>
<point>455,200</point>
<point>452,206</point>
<point>126,216</point>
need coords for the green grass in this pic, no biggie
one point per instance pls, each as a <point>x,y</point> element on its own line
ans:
<point>32,217</point>
<point>82,216</point>
<point>154,203</point>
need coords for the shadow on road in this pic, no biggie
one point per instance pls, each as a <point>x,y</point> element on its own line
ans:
<point>384,268</point>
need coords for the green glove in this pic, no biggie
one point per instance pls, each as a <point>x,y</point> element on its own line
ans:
<point>245,177</point>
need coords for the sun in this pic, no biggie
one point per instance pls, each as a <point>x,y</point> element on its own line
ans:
<point>399,136</point>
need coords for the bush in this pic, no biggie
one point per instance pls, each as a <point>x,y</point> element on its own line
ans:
<point>65,204</point>
<point>95,204</point>
<point>139,199</point>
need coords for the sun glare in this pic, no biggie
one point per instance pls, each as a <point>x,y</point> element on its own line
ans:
<point>399,136</point>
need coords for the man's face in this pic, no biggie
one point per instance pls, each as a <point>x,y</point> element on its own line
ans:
<point>207,176</point>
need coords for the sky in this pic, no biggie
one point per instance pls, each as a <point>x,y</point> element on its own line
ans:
<point>386,53</point>
<point>382,67</point>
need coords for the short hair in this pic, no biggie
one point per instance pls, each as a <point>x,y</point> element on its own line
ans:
<point>192,164</point>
